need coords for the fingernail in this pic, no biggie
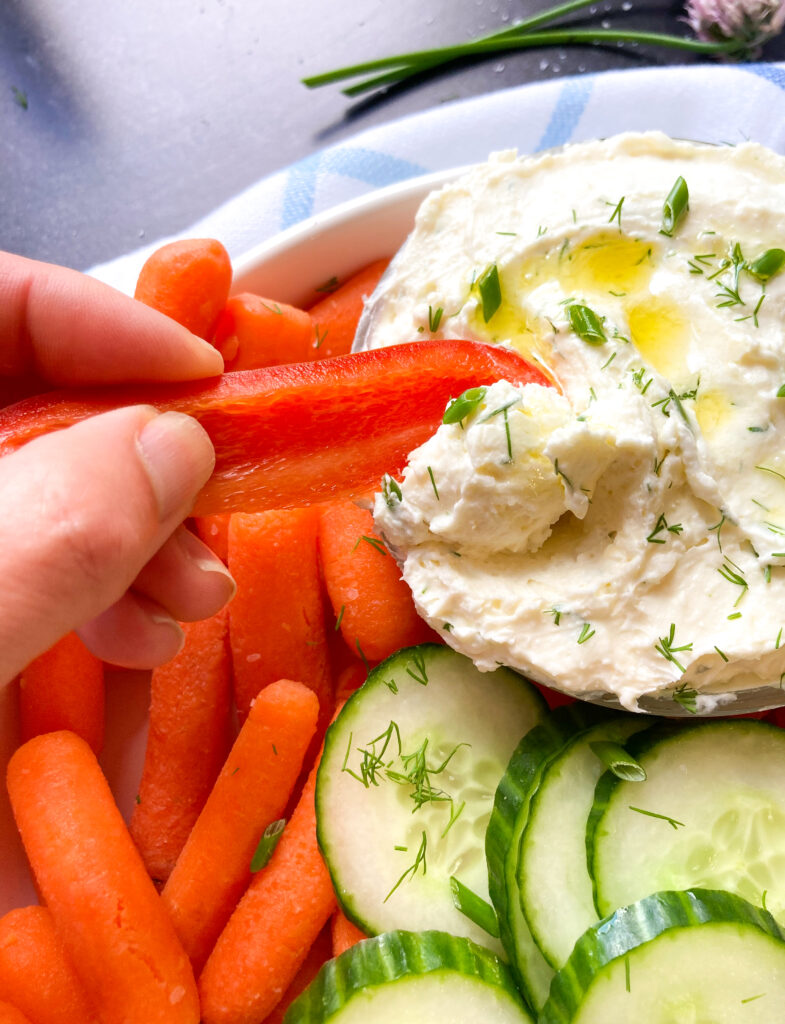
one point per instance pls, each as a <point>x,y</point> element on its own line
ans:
<point>178,457</point>
<point>210,357</point>
<point>203,558</point>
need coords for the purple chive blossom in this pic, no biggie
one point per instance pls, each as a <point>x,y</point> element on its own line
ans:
<point>751,23</point>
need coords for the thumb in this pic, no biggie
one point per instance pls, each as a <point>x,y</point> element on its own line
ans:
<point>81,512</point>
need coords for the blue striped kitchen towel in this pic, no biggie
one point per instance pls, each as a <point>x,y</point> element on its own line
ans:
<point>709,103</point>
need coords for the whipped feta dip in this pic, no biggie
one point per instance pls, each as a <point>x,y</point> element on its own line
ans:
<point>622,532</point>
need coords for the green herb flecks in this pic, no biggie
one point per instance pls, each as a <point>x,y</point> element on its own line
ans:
<point>376,543</point>
<point>319,335</point>
<point>478,910</point>
<point>616,215</point>
<point>718,527</point>
<point>668,648</point>
<point>267,844</point>
<point>391,492</point>
<point>464,405</point>
<point>721,654</point>
<point>20,97</point>
<point>618,761</point>
<point>768,264</point>
<point>490,291</point>
<point>662,817</point>
<point>433,483</point>
<point>411,871</point>
<point>586,324</point>
<point>418,673</point>
<point>687,697</point>
<point>434,318</point>
<point>675,207</point>
<point>329,286</point>
<point>556,613</point>
<point>586,633</point>
<point>733,574</point>
<point>662,524</point>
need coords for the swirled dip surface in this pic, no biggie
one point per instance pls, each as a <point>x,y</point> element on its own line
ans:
<point>622,532</point>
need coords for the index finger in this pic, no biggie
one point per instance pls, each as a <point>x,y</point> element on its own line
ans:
<point>65,328</point>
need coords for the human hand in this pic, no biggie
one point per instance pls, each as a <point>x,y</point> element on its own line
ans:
<point>91,534</point>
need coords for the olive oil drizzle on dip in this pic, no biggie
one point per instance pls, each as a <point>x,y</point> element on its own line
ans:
<point>622,533</point>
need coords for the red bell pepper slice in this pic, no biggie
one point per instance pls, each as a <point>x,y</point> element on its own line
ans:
<point>293,435</point>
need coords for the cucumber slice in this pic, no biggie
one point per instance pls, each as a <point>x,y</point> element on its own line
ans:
<point>406,783</point>
<point>508,819</point>
<point>425,978</point>
<point>553,876</point>
<point>693,956</point>
<point>711,813</point>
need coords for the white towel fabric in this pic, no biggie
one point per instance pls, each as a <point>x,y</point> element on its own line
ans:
<point>709,103</point>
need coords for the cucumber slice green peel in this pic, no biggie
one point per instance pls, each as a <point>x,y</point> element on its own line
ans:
<point>401,977</point>
<point>710,814</point>
<point>555,889</point>
<point>406,783</point>
<point>695,955</point>
<point>508,819</point>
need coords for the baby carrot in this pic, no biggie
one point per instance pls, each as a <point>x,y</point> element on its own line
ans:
<point>64,689</point>
<point>189,281</point>
<point>214,531</point>
<point>345,934</point>
<point>276,620</point>
<point>214,867</point>
<point>318,954</point>
<point>266,940</point>
<point>335,317</point>
<point>370,600</point>
<point>11,1015</point>
<point>35,972</point>
<point>114,927</point>
<point>253,331</point>
<point>187,743</point>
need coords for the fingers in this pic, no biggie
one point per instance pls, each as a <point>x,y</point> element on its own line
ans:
<point>67,328</point>
<point>186,578</point>
<point>82,511</point>
<point>134,632</point>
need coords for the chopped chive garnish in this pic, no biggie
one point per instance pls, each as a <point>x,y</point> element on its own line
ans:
<point>267,844</point>
<point>462,406</point>
<point>770,263</point>
<point>663,817</point>
<point>375,542</point>
<point>433,483</point>
<point>735,615</point>
<point>616,215</point>
<point>586,633</point>
<point>729,573</point>
<point>675,206</point>
<point>721,654</point>
<point>319,336</point>
<point>340,617</point>
<point>586,324</point>
<point>434,318</point>
<point>490,291</point>
<point>474,907</point>
<point>20,97</point>
<point>275,308</point>
<point>616,758</point>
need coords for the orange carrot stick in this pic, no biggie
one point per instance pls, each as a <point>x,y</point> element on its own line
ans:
<point>35,972</point>
<point>115,929</point>
<point>345,934</point>
<point>64,689</point>
<point>319,953</point>
<point>187,743</point>
<point>189,281</point>
<point>276,620</point>
<point>11,1015</point>
<point>252,331</point>
<point>370,600</point>
<point>213,869</point>
<point>266,940</point>
<point>335,317</point>
<point>214,531</point>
